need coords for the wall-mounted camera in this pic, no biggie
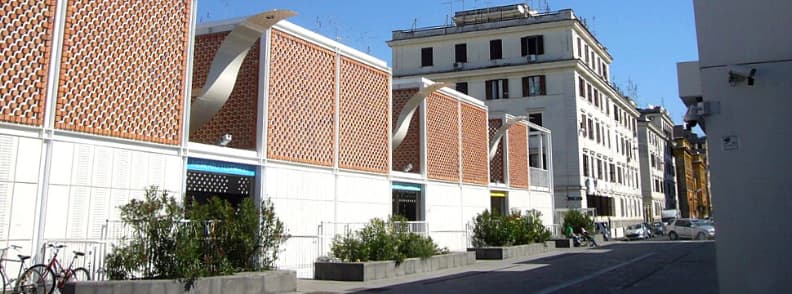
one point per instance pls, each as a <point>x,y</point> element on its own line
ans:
<point>738,73</point>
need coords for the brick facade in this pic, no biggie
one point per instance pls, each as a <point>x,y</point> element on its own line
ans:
<point>26,28</point>
<point>301,106</point>
<point>238,116</point>
<point>518,156</point>
<point>363,117</point>
<point>122,71</point>
<point>442,138</point>
<point>474,145</point>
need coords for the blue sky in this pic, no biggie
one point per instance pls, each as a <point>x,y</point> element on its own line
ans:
<point>646,38</point>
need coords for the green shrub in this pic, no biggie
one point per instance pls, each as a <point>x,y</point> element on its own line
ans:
<point>577,220</point>
<point>509,230</point>
<point>217,239</point>
<point>383,240</point>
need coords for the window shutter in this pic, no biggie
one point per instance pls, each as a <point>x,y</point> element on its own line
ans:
<point>524,46</point>
<point>542,86</point>
<point>488,86</point>
<point>505,88</point>
<point>540,45</point>
<point>525,89</point>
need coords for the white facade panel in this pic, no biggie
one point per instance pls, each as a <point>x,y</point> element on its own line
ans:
<point>28,160</point>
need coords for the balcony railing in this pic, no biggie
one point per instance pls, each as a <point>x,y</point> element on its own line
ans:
<point>540,178</point>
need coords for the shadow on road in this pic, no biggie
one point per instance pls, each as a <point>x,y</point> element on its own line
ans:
<point>635,267</point>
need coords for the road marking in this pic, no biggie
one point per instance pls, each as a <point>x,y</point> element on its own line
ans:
<point>592,275</point>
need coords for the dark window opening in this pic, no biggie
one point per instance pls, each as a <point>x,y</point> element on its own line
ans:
<point>460,53</point>
<point>462,87</point>
<point>496,51</point>
<point>532,45</point>
<point>534,86</point>
<point>427,58</point>
<point>535,118</point>
<point>497,89</point>
<point>407,204</point>
<point>499,205</point>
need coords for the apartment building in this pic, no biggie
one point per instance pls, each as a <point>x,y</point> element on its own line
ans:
<point>658,183</point>
<point>690,153</point>
<point>549,67</point>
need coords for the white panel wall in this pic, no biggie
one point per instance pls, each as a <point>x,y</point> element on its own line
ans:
<point>543,202</point>
<point>444,213</point>
<point>19,166</point>
<point>361,198</point>
<point>88,182</point>
<point>520,200</point>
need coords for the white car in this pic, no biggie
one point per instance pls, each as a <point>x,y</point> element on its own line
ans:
<point>637,231</point>
<point>690,229</point>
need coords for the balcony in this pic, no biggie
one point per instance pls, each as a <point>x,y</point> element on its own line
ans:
<point>540,178</point>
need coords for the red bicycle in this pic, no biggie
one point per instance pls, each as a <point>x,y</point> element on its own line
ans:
<point>58,274</point>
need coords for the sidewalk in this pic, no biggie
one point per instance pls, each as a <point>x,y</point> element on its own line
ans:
<point>481,266</point>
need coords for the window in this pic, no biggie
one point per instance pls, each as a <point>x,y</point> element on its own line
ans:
<point>535,118</point>
<point>599,169</point>
<point>495,49</point>
<point>533,86</point>
<point>497,89</point>
<point>596,98</point>
<point>426,57</point>
<point>532,45</point>
<point>591,129</point>
<point>612,171</point>
<point>581,87</point>
<point>580,48</point>
<point>609,139</point>
<point>587,55</point>
<point>588,93</point>
<point>461,52</point>
<point>619,175</point>
<point>583,124</point>
<point>604,72</point>
<point>586,166</point>
<point>599,134</point>
<point>615,112</point>
<point>499,205</point>
<point>462,87</point>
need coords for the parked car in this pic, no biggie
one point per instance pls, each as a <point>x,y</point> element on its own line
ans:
<point>658,228</point>
<point>690,229</point>
<point>638,231</point>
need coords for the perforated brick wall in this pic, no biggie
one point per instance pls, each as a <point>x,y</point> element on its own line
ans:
<point>496,164</point>
<point>301,104</point>
<point>474,144</point>
<point>409,152</point>
<point>518,156</point>
<point>364,117</point>
<point>238,115</point>
<point>26,28</point>
<point>442,142</point>
<point>123,69</point>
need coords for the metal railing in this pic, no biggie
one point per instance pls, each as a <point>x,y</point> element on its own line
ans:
<point>540,178</point>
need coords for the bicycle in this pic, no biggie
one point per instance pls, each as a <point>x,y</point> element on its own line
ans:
<point>64,275</point>
<point>26,282</point>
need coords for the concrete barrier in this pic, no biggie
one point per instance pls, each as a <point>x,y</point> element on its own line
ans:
<point>249,282</point>
<point>376,270</point>
<point>512,251</point>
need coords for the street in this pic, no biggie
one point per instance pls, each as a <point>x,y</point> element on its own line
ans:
<point>654,266</point>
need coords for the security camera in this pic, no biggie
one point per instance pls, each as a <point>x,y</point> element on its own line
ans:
<point>739,73</point>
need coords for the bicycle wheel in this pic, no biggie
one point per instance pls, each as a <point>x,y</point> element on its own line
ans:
<point>36,279</point>
<point>79,274</point>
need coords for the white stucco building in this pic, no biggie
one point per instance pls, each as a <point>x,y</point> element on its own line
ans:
<point>658,183</point>
<point>738,92</point>
<point>551,68</point>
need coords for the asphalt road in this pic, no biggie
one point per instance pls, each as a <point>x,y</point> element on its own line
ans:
<point>625,267</point>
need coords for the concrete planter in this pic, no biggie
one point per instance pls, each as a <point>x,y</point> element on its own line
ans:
<point>250,282</point>
<point>512,251</point>
<point>376,270</point>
